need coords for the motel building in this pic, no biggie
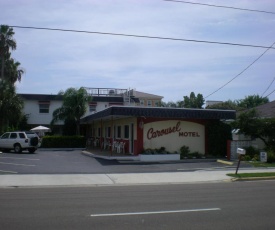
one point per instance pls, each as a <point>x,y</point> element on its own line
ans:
<point>133,129</point>
<point>128,121</point>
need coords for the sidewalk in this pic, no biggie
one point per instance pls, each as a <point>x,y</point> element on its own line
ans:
<point>201,176</point>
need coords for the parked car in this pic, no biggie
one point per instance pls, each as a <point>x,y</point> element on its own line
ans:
<point>19,141</point>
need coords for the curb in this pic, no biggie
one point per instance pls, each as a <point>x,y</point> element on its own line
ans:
<point>136,159</point>
<point>253,178</point>
<point>60,149</point>
<point>225,162</point>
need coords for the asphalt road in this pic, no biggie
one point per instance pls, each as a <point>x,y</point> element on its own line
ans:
<point>239,205</point>
<point>73,162</point>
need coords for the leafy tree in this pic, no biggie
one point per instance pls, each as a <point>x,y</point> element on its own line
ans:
<point>11,106</point>
<point>193,101</point>
<point>74,106</point>
<point>227,105</point>
<point>171,104</point>
<point>6,43</point>
<point>180,104</point>
<point>252,101</point>
<point>252,125</point>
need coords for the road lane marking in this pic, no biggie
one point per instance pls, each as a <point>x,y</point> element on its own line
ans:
<point>156,212</point>
<point>4,163</point>
<point>29,159</point>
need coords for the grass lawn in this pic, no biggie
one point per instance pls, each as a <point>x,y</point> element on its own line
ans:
<point>247,175</point>
<point>261,164</point>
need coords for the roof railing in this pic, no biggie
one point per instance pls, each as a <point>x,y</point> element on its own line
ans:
<point>108,92</point>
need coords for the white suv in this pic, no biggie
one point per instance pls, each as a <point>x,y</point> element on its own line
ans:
<point>20,140</point>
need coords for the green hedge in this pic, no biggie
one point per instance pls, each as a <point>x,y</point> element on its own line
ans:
<point>63,142</point>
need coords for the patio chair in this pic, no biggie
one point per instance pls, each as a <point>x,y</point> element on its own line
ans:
<point>114,146</point>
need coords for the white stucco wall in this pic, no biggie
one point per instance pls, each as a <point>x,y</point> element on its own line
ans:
<point>31,107</point>
<point>173,135</point>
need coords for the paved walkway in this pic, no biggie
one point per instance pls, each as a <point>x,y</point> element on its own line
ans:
<point>201,176</point>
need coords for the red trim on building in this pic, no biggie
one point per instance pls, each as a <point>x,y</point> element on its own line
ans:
<point>138,146</point>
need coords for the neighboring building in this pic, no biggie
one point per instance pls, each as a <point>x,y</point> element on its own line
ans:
<point>265,111</point>
<point>146,99</point>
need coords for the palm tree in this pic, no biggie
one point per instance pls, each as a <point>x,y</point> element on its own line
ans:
<point>6,43</point>
<point>11,105</point>
<point>74,106</point>
<point>12,71</point>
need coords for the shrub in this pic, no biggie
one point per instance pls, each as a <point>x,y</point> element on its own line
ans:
<point>256,157</point>
<point>194,155</point>
<point>184,151</point>
<point>247,158</point>
<point>251,151</point>
<point>161,150</point>
<point>270,156</point>
<point>63,142</point>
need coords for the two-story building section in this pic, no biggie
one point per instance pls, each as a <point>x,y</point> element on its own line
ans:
<point>39,107</point>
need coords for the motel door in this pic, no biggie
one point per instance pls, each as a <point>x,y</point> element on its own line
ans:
<point>131,139</point>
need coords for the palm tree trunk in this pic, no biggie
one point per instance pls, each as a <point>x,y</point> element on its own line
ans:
<point>78,127</point>
<point>2,69</point>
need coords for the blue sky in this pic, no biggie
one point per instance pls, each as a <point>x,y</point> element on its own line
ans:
<point>55,61</point>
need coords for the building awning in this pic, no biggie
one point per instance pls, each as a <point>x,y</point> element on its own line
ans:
<point>160,112</point>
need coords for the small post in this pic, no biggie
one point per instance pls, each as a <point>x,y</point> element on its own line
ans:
<point>240,152</point>
<point>240,157</point>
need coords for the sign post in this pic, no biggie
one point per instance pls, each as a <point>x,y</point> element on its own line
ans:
<point>240,152</point>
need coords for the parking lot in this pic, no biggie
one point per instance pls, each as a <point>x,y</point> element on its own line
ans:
<point>74,162</point>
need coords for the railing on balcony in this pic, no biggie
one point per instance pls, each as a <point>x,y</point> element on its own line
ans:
<point>112,92</point>
<point>108,92</point>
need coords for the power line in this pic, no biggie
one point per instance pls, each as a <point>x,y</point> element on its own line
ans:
<point>144,36</point>
<point>268,86</point>
<point>270,93</point>
<point>240,72</point>
<point>228,7</point>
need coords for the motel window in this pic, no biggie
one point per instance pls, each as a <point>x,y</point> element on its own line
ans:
<point>149,103</point>
<point>126,131</point>
<point>44,106</point>
<point>118,132</point>
<point>141,102</point>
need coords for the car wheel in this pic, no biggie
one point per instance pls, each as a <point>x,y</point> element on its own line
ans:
<point>17,148</point>
<point>31,150</point>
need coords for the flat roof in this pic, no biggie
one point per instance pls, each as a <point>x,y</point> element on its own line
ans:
<point>160,112</point>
